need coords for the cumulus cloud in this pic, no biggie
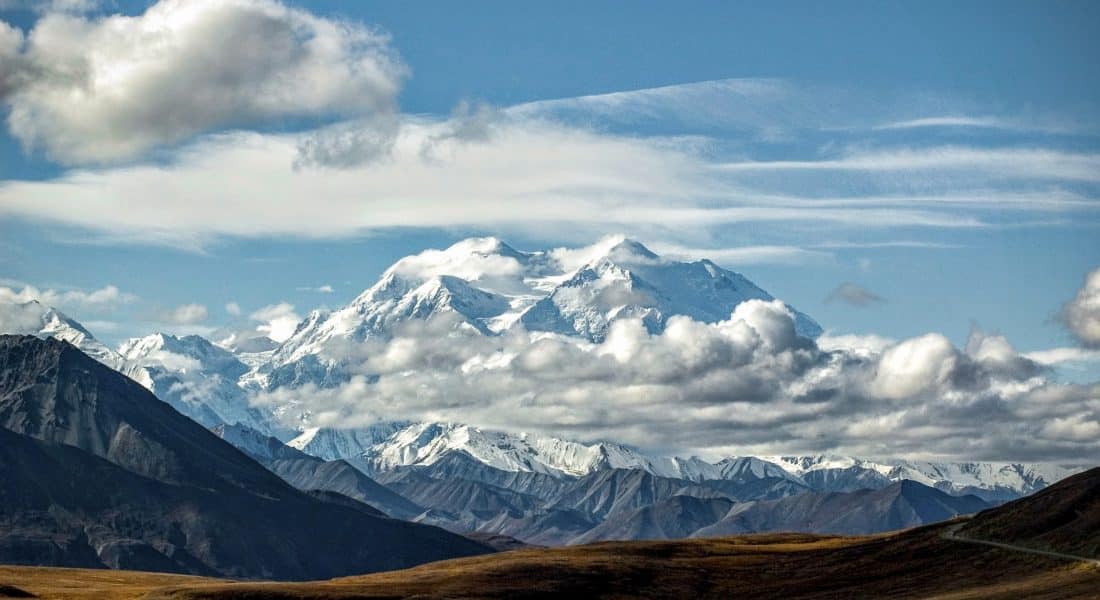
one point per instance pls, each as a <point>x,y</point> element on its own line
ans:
<point>1081,316</point>
<point>94,89</point>
<point>20,318</point>
<point>277,321</point>
<point>854,295</point>
<point>185,314</point>
<point>260,330</point>
<point>11,62</point>
<point>99,301</point>
<point>747,384</point>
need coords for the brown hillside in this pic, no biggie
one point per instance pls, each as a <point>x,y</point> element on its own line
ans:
<point>1064,517</point>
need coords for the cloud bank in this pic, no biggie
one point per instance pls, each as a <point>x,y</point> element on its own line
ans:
<point>745,385</point>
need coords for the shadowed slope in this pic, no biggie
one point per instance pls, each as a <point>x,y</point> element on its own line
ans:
<point>96,471</point>
<point>1064,517</point>
<point>916,564</point>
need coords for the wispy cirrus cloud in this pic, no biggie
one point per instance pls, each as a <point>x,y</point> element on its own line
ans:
<point>1011,163</point>
<point>556,167</point>
<point>947,121</point>
<point>746,255</point>
<point>527,174</point>
<point>1057,356</point>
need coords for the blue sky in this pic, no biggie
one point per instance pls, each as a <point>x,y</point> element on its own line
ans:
<point>943,157</point>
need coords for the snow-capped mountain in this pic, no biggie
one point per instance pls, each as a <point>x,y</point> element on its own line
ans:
<point>629,281</point>
<point>995,481</point>
<point>333,444</point>
<point>386,446</point>
<point>210,384</point>
<point>488,286</point>
<point>745,468</point>
<point>196,377</point>
<point>39,320</point>
<point>389,446</point>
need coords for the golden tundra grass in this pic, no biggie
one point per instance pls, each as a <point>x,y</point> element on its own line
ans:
<point>913,564</point>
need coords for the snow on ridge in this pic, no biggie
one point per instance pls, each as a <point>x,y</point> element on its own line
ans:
<point>426,443</point>
<point>493,287</point>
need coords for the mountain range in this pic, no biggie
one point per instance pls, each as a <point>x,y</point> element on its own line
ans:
<point>534,488</point>
<point>955,559</point>
<point>97,472</point>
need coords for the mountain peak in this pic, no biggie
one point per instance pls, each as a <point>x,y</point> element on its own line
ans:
<point>482,246</point>
<point>42,321</point>
<point>621,249</point>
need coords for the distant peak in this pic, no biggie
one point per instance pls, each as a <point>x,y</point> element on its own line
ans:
<point>482,245</point>
<point>614,248</point>
<point>620,247</point>
<point>632,249</point>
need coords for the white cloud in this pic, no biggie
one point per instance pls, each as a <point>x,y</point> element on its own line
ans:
<point>743,385</point>
<point>20,318</point>
<point>779,109</point>
<point>277,321</point>
<point>321,289</point>
<point>1009,163</point>
<point>1076,428</point>
<point>11,63</point>
<point>470,259</point>
<point>108,88</point>
<point>1081,316</point>
<point>233,308</point>
<point>528,175</point>
<point>100,301</point>
<point>867,344</point>
<point>519,170</point>
<point>915,366</point>
<point>1057,356</point>
<point>746,255</point>
<point>185,314</point>
<point>947,121</point>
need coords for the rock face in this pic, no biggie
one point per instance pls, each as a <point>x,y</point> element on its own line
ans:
<point>897,506</point>
<point>95,471</point>
<point>309,473</point>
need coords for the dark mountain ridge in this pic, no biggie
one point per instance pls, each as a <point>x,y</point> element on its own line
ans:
<point>98,472</point>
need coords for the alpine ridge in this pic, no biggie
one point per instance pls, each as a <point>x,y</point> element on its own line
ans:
<point>97,472</point>
<point>536,488</point>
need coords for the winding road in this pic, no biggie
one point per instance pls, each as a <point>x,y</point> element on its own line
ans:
<point>952,533</point>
